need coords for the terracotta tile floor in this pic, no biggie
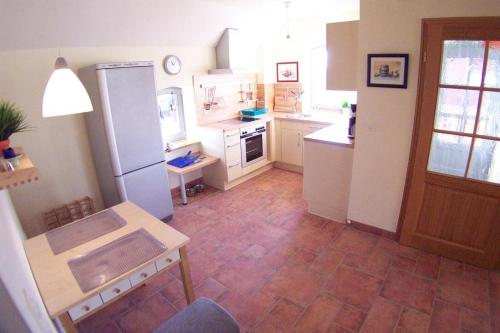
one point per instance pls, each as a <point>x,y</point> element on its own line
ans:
<point>276,268</point>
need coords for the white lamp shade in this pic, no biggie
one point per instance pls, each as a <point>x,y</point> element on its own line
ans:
<point>64,93</point>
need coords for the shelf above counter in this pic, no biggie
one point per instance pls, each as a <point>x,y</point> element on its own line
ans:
<point>25,172</point>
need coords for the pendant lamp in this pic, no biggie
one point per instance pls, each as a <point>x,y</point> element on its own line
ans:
<point>64,93</point>
<point>287,7</point>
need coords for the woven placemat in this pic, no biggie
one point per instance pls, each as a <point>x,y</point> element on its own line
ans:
<point>114,259</point>
<point>82,231</point>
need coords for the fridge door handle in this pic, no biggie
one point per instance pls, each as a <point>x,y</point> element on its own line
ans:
<point>108,122</point>
<point>122,191</point>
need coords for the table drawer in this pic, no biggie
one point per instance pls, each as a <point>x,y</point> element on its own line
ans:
<point>115,290</point>
<point>231,137</point>
<point>85,307</point>
<point>233,155</point>
<point>168,260</point>
<point>142,274</point>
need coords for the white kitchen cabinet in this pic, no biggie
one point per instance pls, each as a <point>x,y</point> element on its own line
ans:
<point>327,179</point>
<point>290,141</point>
<point>225,144</point>
<point>291,146</point>
<point>342,59</point>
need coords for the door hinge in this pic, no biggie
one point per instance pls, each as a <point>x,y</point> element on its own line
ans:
<point>425,56</point>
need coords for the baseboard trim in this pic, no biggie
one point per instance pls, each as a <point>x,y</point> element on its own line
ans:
<point>372,230</point>
<point>248,176</point>
<point>176,191</point>
<point>288,167</point>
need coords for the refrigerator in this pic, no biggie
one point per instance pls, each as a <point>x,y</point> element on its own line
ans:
<point>125,136</point>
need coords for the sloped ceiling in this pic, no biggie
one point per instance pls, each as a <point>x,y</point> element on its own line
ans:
<point>80,23</point>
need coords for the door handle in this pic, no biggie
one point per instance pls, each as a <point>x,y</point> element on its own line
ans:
<point>232,166</point>
<point>233,145</point>
<point>298,139</point>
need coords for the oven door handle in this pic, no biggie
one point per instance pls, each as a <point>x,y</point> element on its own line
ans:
<point>250,135</point>
<point>252,150</point>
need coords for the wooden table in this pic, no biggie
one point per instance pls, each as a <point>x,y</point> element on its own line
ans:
<point>59,288</point>
<point>206,160</point>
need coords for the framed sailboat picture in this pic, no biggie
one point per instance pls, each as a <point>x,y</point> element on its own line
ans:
<point>287,71</point>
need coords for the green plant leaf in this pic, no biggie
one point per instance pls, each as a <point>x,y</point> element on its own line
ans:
<point>12,120</point>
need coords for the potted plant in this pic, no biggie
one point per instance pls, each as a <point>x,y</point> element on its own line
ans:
<point>12,120</point>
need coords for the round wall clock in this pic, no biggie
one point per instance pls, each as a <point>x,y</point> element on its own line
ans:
<point>172,64</point>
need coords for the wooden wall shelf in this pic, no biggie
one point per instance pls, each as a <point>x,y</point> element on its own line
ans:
<point>25,172</point>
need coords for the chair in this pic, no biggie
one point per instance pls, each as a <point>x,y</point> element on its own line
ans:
<point>202,316</point>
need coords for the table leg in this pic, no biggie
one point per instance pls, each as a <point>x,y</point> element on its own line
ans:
<point>182,185</point>
<point>186,275</point>
<point>65,321</point>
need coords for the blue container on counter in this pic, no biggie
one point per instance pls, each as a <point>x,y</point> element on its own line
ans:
<point>252,112</point>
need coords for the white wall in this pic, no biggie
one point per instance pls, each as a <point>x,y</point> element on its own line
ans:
<point>16,273</point>
<point>29,24</point>
<point>59,146</point>
<point>385,116</point>
<point>306,34</point>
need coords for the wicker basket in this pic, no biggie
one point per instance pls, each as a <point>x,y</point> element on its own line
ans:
<point>68,213</point>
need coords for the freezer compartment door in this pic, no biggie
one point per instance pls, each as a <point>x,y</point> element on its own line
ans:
<point>149,189</point>
<point>132,118</point>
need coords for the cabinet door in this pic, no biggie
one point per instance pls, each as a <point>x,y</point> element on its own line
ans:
<point>291,146</point>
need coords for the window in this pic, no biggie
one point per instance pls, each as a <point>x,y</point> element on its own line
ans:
<point>321,98</point>
<point>172,121</point>
<point>466,136</point>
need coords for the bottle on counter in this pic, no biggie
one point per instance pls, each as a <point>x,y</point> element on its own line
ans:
<point>351,132</point>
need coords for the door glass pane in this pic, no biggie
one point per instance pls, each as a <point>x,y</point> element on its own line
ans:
<point>489,117</point>
<point>492,78</point>
<point>485,161</point>
<point>449,154</point>
<point>462,62</point>
<point>456,110</point>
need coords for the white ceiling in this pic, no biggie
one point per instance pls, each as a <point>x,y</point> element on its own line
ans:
<point>79,23</point>
<point>299,9</point>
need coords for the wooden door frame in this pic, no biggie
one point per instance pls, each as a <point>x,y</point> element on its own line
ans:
<point>418,107</point>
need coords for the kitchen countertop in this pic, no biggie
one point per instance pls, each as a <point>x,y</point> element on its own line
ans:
<point>228,124</point>
<point>336,134</point>
<point>333,135</point>
<point>317,117</point>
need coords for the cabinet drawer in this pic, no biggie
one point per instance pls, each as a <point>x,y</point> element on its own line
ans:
<point>231,137</point>
<point>168,260</point>
<point>143,274</point>
<point>233,155</point>
<point>115,290</point>
<point>292,124</point>
<point>85,307</point>
<point>313,127</point>
<point>234,171</point>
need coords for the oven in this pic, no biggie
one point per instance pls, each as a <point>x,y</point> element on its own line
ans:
<point>253,144</point>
